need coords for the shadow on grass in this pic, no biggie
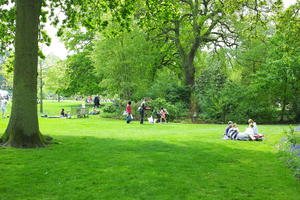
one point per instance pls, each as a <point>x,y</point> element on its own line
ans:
<point>95,168</point>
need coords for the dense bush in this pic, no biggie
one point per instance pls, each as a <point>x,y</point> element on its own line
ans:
<point>176,111</point>
<point>221,99</point>
<point>110,108</point>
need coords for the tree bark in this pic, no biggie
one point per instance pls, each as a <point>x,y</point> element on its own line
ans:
<point>189,81</point>
<point>23,128</point>
<point>189,75</point>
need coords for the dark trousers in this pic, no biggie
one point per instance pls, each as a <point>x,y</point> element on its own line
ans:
<point>142,117</point>
<point>128,119</point>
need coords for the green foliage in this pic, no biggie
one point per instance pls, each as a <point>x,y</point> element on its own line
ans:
<point>223,98</point>
<point>7,26</point>
<point>283,61</point>
<point>125,64</point>
<point>176,111</point>
<point>137,49</point>
<point>80,75</point>
<point>55,79</point>
<point>167,85</point>
<point>110,108</point>
<point>6,68</point>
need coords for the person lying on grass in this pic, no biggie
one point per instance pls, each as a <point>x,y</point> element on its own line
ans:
<point>235,134</point>
<point>94,112</point>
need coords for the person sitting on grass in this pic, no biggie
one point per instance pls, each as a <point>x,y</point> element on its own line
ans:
<point>233,132</point>
<point>247,135</point>
<point>162,115</point>
<point>226,136</point>
<point>257,135</point>
<point>151,120</point>
<point>62,113</point>
<point>94,112</point>
<point>255,129</point>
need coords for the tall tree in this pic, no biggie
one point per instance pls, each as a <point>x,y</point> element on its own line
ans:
<point>55,79</point>
<point>283,62</point>
<point>23,128</point>
<point>194,24</point>
<point>125,64</point>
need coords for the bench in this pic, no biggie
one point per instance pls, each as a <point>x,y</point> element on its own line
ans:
<point>79,112</point>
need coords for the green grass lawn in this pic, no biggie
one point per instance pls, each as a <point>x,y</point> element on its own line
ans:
<point>109,159</point>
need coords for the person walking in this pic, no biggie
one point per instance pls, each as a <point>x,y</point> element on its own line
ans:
<point>128,111</point>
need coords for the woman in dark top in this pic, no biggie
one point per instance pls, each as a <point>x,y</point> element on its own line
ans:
<point>142,111</point>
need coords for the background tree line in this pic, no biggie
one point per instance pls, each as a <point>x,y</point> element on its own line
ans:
<point>213,60</point>
<point>245,64</point>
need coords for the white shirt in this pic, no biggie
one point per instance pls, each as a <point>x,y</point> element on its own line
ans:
<point>255,129</point>
<point>249,131</point>
<point>3,103</point>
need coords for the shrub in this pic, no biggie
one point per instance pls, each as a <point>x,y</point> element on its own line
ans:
<point>290,148</point>
<point>109,108</point>
<point>235,102</point>
<point>176,111</point>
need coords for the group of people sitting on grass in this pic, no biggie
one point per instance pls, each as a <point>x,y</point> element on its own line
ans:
<point>250,134</point>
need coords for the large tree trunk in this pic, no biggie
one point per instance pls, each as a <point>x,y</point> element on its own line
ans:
<point>189,80</point>
<point>23,129</point>
<point>189,71</point>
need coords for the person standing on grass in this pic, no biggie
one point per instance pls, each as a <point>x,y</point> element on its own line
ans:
<point>128,111</point>
<point>3,106</point>
<point>142,111</point>
<point>96,102</point>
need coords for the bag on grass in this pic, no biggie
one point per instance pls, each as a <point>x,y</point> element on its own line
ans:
<point>125,113</point>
